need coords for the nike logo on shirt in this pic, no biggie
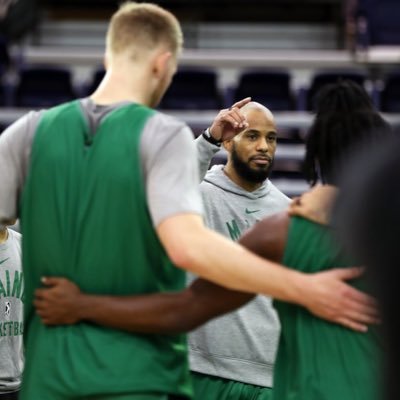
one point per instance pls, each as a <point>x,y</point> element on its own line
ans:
<point>3,261</point>
<point>251,211</point>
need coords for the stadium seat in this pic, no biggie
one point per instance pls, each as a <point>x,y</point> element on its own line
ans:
<point>268,87</point>
<point>389,98</point>
<point>43,87</point>
<point>3,93</point>
<point>4,53</point>
<point>382,18</point>
<point>307,96</point>
<point>193,89</point>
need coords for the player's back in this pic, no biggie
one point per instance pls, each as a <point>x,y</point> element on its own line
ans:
<point>318,360</point>
<point>84,216</point>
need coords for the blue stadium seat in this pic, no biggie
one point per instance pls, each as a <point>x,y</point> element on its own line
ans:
<point>389,99</point>
<point>3,93</point>
<point>268,87</point>
<point>382,18</point>
<point>320,79</point>
<point>5,64</point>
<point>219,158</point>
<point>43,87</point>
<point>4,53</point>
<point>193,89</point>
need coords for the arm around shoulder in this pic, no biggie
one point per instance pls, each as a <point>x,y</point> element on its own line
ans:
<point>193,247</point>
<point>268,237</point>
<point>62,303</point>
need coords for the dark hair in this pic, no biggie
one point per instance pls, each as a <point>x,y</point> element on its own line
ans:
<point>345,120</point>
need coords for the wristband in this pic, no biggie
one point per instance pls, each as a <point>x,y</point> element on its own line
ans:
<point>210,139</point>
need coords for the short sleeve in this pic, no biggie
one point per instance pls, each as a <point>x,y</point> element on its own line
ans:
<point>170,167</point>
<point>15,150</point>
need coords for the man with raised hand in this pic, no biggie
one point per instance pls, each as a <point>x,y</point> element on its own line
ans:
<point>234,355</point>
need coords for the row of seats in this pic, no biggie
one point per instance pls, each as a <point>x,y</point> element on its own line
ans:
<point>378,22</point>
<point>197,89</point>
<point>45,87</point>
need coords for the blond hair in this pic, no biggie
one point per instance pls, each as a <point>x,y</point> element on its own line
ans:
<point>137,27</point>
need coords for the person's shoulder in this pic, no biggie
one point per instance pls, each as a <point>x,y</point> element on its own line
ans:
<point>19,135</point>
<point>30,119</point>
<point>34,115</point>
<point>14,234</point>
<point>267,238</point>
<point>162,130</point>
<point>168,122</point>
<point>215,172</point>
<point>275,220</point>
<point>277,192</point>
<point>316,204</point>
<point>207,189</point>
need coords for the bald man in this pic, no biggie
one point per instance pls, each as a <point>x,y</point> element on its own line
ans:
<point>234,355</point>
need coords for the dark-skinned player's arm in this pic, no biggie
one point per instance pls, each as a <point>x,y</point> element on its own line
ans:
<point>60,302</point>
<point>267,238</point>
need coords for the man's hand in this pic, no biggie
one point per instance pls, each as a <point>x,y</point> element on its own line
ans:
<point>58,303</point>
<point>326,295</point>
<point>229,121</point>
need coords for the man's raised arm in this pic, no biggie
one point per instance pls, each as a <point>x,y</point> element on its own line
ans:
<point>228,123</point>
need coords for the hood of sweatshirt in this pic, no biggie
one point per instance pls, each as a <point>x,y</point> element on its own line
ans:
<point>216,176</point>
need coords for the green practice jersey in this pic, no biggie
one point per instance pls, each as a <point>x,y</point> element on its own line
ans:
<point>319,360</point>
<point>84,216</point>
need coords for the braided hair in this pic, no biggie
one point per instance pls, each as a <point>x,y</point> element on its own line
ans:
<point>345,120</point>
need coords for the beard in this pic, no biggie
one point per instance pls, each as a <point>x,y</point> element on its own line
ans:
<point>247,173</point>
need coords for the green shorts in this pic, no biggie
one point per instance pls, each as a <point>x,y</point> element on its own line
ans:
<point>207,387</point>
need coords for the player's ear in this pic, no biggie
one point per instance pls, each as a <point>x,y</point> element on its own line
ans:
<point>161,63</point>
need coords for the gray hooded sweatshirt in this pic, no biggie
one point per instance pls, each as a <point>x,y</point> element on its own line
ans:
<point>239,346</point>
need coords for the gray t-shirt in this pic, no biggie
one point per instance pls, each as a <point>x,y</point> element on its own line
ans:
<point>11,313</point>
<point>168,157</point>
